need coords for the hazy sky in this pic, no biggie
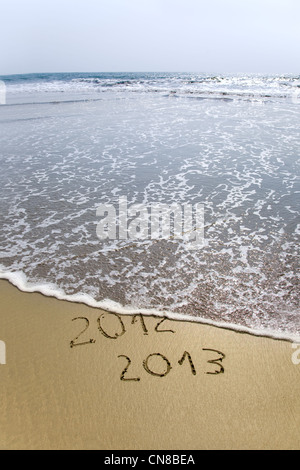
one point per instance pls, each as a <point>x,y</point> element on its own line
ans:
<point>150,35</point>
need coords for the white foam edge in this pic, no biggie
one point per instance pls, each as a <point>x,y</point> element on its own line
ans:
<point>19,280</point>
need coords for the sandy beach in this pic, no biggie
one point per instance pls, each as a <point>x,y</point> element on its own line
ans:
<point>139,383</point>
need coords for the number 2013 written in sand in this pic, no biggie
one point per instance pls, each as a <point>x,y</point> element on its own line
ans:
<point>155,364</point>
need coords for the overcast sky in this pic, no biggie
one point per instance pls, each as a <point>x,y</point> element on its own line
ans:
<point>150,35</point>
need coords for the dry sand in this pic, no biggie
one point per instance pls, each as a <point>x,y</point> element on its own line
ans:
<point>53,396</point>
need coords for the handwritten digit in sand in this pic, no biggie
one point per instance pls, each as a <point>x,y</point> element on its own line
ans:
<point>91,341</point>
<point>162,331</point>
<point>122,377</point>
<point>217,361</point>
<point>186,354</point>
<point>157,374</point>
<point>142,322</point>
<point>104,332</point>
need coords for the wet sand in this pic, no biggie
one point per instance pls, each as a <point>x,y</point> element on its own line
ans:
<point>139,382</point>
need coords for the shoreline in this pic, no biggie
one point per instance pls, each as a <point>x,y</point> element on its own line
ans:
<point>77,377</point>
<point>19,280</point>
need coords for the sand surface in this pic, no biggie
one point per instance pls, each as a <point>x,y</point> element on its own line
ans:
<point>171,396</point>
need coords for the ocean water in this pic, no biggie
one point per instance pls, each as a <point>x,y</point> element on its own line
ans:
<point>71,142</point>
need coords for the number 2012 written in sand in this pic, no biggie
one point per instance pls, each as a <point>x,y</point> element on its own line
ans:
<point>155,364</point>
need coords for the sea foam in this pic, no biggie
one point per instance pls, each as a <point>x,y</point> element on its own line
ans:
<point>19,280</point>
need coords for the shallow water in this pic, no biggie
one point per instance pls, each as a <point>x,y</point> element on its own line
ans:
<point>70,143</point>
